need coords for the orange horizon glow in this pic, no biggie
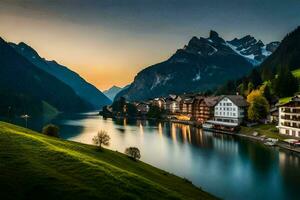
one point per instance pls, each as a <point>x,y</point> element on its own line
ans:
<point>104,61</point>
<point>109,42</point>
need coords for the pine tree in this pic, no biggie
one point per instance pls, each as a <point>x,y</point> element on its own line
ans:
<point>285,84</point>
<point>255,78</point>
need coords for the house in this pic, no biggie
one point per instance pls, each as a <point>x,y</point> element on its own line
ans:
<point>186,105</point>
<point>172,104</point>
<point>229,112</point>
<point>273,115</point>
<point>203,108</point>
<point>289,117</point>
<point>159,102</point>
<point>142,108</point>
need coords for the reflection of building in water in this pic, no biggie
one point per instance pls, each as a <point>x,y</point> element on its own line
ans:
<point>286,159</point>
<point>141,129</point>
<point>124,122</point>
<point>160,130</point>
<point>225,144</point>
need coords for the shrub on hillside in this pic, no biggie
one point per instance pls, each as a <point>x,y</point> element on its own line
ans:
<point>133,152</point>
<point>51,130</point>
<point>102,138</point>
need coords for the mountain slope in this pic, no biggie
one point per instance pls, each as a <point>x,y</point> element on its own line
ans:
<point>287,54</point>
<point>253,50</point>
<point>82,88</point>
<point>203,64</point>
<point>34,166</point>
<point>21,81</point>
<point>113,91</point>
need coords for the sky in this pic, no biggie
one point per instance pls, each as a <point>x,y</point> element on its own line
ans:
<point>109,41</point>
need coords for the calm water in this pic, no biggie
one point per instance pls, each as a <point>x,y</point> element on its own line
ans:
<point>229,167</point>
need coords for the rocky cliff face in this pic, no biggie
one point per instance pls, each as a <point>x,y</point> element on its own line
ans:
<point>253,50</point>
<point>204,63</point>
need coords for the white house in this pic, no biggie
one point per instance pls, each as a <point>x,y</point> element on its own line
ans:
<point>230,110</point>
<point>289,117</point>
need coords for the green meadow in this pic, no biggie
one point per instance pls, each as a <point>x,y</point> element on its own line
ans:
<point>35,166</point>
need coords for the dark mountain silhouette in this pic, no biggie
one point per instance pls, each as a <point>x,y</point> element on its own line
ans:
<point>85,90</point>
<point>25,88</point>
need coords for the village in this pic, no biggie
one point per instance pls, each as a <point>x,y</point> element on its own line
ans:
<point>226,114</point>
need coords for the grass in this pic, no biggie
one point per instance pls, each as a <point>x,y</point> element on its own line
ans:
<point>269,130</point>
<point>284,100</point>
<point>34,166</point>
<point>296,73</point>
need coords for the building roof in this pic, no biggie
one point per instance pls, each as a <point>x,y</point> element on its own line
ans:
<point>211,101</point>
<point>236,99</point>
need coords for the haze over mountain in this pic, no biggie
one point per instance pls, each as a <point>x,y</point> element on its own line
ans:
<point>204,63</point>
<point>85,90</point>
<point>113,91</point>
<point>24,88</point>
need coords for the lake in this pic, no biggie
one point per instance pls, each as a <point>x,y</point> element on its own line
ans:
<point>226,166</point>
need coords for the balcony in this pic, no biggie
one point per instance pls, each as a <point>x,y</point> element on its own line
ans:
<point>290,117</point>
<point>292,111</point>
<point>292,125</point>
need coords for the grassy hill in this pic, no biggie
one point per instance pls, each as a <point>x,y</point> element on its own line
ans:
<point>34,166</point>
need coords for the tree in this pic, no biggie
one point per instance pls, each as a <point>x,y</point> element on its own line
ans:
<point>265,90</point>
<point>155,112</point>
<point>119,105</point>
<point>102,138</point>
<point>133,152</point>
<point>255,78</point>
<point>285,84</point>
<point>51,130</point>
<point>131,109</point>
<point>259,106</point>
<point>249,88</point>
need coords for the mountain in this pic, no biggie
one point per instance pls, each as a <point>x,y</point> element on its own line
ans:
<point>279,71</point>
<point>254,50</point>
<point>85,90</point>
<point>26,88</point>
<point>113,91</point>
<point>204,63</point>
<point>287,54</point>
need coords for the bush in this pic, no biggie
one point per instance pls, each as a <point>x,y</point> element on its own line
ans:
<point>133,152</point>
<point>102,138</point>
<point>51,130</point>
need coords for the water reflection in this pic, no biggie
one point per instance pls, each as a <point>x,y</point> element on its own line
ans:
<point>228,166</point>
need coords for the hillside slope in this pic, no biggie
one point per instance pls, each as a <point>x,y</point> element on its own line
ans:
<point>82,88</point>
<point>34,166</point>
<point>287,54</point>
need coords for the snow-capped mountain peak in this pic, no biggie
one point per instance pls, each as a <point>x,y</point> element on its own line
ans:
<point>253,50</point>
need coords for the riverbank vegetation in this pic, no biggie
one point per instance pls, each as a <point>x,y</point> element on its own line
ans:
<point>269,130</point>
<point>35,166</point>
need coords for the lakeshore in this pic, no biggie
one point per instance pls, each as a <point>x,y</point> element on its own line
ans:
<point>268,130</point>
